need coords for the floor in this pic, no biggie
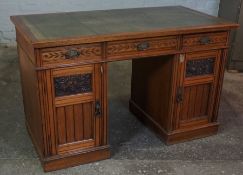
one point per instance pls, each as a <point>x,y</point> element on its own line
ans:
<point>135,149</point>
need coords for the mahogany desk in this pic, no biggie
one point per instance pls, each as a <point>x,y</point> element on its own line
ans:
<point>178,67</point>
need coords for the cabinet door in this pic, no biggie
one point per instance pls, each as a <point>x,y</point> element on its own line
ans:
<point>78,107</point>
<point>197,90</point>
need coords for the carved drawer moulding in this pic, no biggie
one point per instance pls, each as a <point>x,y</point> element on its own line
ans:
<point>73,84</point>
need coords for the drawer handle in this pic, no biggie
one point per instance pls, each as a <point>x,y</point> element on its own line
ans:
<point>143,46</point>
<point>72,54</point>
<point>205,40</point>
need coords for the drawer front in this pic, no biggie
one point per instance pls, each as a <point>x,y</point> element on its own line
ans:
<point>71,54</point>
<point>207,40</point>
<point>131,48</point>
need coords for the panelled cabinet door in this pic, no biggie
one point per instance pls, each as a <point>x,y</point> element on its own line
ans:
<point>196,93</point>
<point>78,107</point>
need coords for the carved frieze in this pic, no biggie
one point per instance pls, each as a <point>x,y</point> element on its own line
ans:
<point>73,84</point>
<point>199,67</point>
<point>69,54</point>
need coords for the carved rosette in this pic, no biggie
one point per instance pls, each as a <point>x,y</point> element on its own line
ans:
<point>73,84</point>
<point>200,67</point>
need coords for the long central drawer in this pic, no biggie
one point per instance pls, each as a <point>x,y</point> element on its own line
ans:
<point>140,47</point>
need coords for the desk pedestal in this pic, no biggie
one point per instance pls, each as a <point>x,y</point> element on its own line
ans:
<point>177,95</point>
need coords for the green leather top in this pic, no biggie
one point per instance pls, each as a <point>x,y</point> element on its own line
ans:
<point>106,22</point>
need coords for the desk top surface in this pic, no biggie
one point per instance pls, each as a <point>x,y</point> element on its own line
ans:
<point>104,23</point>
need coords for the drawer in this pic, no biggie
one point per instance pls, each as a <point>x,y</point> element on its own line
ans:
<point>71,54</point>
<point>206,40</point>
<point>140,47</point>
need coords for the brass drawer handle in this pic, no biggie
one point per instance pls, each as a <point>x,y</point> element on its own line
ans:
<point>205,40</point>
<point>72,54</point>
<point>143,46</point>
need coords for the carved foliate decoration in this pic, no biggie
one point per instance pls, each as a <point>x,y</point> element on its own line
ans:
<point>200,67</point>
<point>73,84</point>
<point>70,54</point>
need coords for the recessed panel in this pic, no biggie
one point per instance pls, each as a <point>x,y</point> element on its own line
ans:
<point>195,102</point>
<point>200,67</point>
<point>75,123</point>
<point>73,84</point>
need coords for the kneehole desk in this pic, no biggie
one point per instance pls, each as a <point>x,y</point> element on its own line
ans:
<point>178,58</point>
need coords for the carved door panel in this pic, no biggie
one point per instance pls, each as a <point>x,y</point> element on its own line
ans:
<point>78,107</point>
<point>196,93</point>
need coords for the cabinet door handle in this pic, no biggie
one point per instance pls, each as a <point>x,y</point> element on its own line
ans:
<point>179,95</point>
<point>143,46</point>
<point>97,108</point>
<point>205,40</point>
<point>72,54</point>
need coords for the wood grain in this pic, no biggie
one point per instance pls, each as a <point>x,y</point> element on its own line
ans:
<point>148,89</point>
<point>61,125</point>
<point>78,122</point>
